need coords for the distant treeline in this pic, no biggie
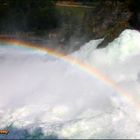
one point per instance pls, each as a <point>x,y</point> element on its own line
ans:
<point>41,16</point>
<point>30,15</point>
<point>27,15</point>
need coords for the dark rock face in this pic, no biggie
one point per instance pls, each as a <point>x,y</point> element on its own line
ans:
<point>107,19</point>
<point>119,15</point>
<point>113,17</point>
<point>68,27</point>
<point>135,18</point>
<point>110,17</point>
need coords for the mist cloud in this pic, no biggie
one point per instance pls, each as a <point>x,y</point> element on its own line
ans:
<point>41,91</point>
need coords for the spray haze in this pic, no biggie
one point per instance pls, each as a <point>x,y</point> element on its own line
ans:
<point>62,97</point>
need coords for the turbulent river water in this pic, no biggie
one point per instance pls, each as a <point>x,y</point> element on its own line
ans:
<point>43,96</point>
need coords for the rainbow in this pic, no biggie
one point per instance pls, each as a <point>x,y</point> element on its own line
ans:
<point>93,71</point>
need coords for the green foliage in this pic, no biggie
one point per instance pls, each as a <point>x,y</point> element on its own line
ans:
<point>26,15</point>
<point>89,18</point>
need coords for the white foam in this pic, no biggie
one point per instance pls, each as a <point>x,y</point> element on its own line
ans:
<point>42,91</point>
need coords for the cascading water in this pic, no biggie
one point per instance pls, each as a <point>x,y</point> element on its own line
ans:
<point>46,97</point>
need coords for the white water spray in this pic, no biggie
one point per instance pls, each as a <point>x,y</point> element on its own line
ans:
<point>38,90</point>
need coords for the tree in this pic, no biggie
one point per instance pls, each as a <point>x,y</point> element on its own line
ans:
<point>27,15</point>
